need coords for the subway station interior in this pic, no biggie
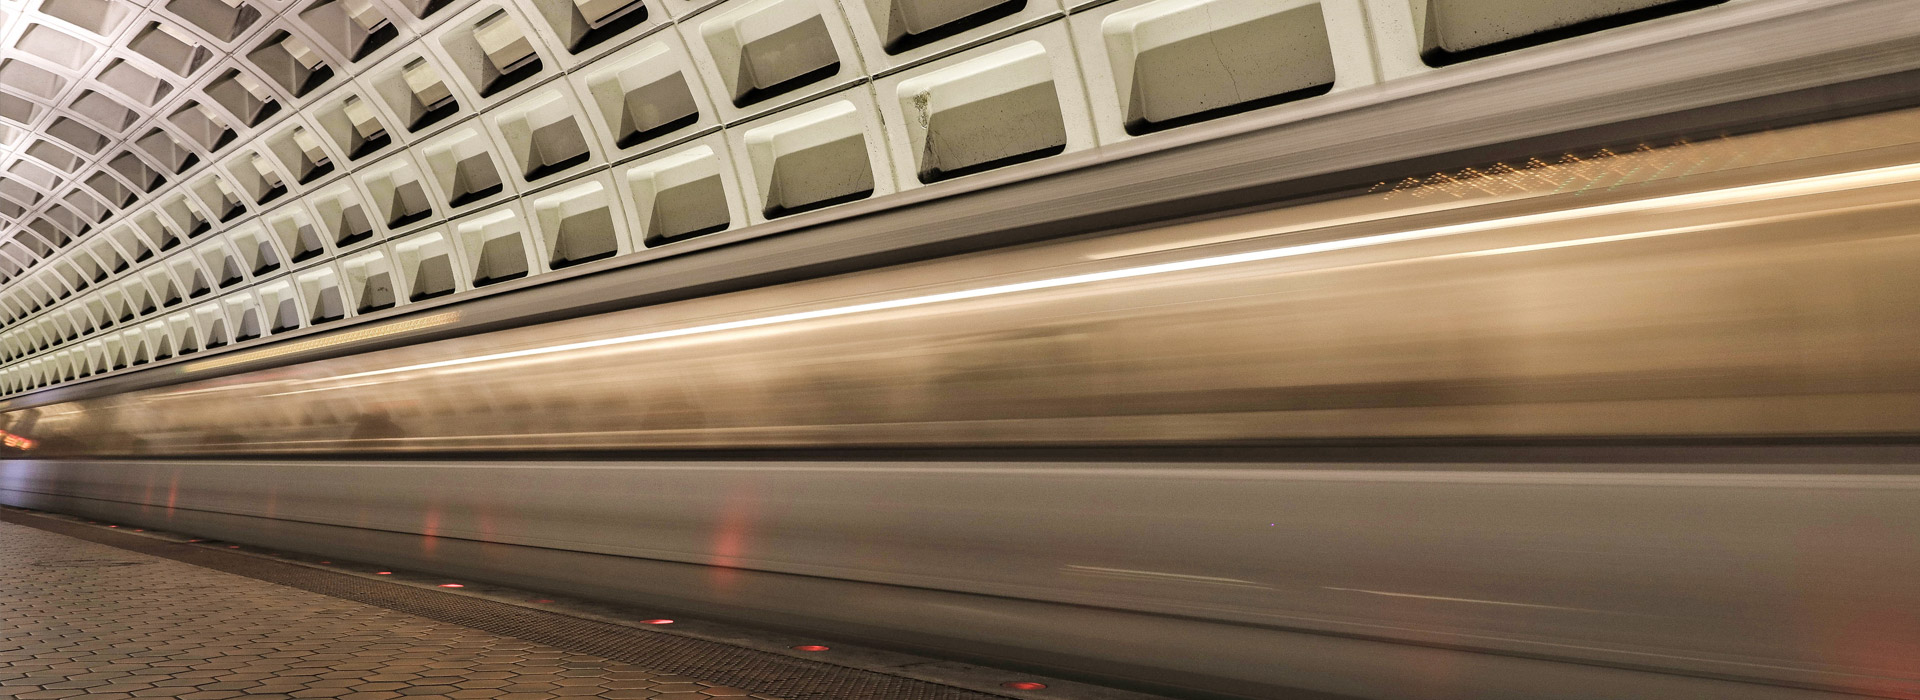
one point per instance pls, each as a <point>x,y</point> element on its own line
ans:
<point>960,349</point>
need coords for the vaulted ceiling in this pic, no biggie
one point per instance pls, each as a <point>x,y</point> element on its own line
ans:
<point>180,175</point>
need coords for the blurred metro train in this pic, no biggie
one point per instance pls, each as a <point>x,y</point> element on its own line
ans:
<point>1603,297</point>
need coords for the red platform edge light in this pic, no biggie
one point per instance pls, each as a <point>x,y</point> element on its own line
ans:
<point>17,441</point>
<point>810,647</point>
<point>383,573</point>
<point>656,622</point>
<point>453,585</point>
<point>1023,685</point>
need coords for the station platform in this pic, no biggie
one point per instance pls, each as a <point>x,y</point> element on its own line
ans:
<point>93,610</point>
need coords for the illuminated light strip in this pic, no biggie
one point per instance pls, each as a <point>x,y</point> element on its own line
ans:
<point>1546,217</point>
<point>1789,188</point>
<point>439,319</point>
<point>1138,575</point>
<point>1659,233</point>
<point>1391,594</point>
<point>324,388</point>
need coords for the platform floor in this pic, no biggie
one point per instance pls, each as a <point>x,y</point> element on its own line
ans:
<point>88,614</point>
<point>86,619</point>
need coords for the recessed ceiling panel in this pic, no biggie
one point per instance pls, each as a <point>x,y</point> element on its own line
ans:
<point>53,155</point>
<point>103,110</point>
<point>243,96</point>
<point>17,108</point>
<point>168,152</point>
<point>37,175</point>
<point>171,47</point>
<point>56,46</point>
<point>102,17</point>
<point>136,171</point>
<point>291,63</point>
<point>221,19</point>
<point>77,135</point>
<point>30,79</point>
<point>132,81</point>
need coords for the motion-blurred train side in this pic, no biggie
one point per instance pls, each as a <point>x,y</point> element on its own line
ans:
<point>1731,288</point>
<point>1763,300</point>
